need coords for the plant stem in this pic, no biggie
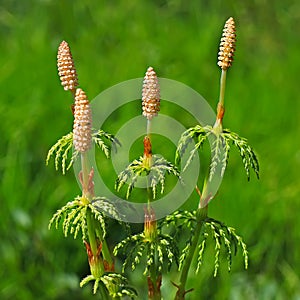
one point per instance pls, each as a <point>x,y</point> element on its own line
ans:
<point>221,107</point>
<point>154,292</point>
<point>85,171</point>
<point>200,217</point>
<point>148,128</point>
<point>106,255</point>
<point>90,220</point>
<point>85,193</point>
<point>204,199</point>
<point>222,87</point>
<point>91,232</point>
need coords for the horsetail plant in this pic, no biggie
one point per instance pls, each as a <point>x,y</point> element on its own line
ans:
<point>83,214</point>
<point>221,141</point>
<point>158,248</point>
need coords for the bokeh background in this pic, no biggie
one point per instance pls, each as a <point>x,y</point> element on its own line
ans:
<point>113,41</point>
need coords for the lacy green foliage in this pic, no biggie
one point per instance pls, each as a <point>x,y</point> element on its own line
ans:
<point>180,220</point>
<point>246,152</point>
<point>219,151</point>
<point>224,237</point>
<point>61,150</point>
<point>115,284</point>
<point>156,172</point>
<point>73,215</point>
<point>102,144</point>
<point>102,204</point>
<point>161,251</point>
<point>198,133</point>
<point>220,146</point>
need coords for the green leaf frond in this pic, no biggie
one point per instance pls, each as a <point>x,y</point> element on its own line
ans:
<point>115,284</point>
<point>105,141</point>
<point>197,133</point>
<point>249,158</point>
<point>162,252</point>
<point>130,175</point>
<point>181,221</point>
<point>220,146</point>
<point>200,134</point>
<point>73,217</point>
<point>103,205</point>
<point>218,155</point>
<point>225,239</point>
<point>156,172</point>
<point>61,150</point>
<point>133,246</point>
<point>178,221</point>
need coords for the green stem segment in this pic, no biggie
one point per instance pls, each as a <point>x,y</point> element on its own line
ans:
<point>106,255</point>
<point>85,171</point>
<point>221,107</point>
<point>200,217</point>
<point>222,87</point>
<point>148,128</point>
<point>92,232</point>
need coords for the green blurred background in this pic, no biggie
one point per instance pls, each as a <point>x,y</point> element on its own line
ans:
<point>114,41</point>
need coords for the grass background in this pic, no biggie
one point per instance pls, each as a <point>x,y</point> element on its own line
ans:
<point>113,41</point>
